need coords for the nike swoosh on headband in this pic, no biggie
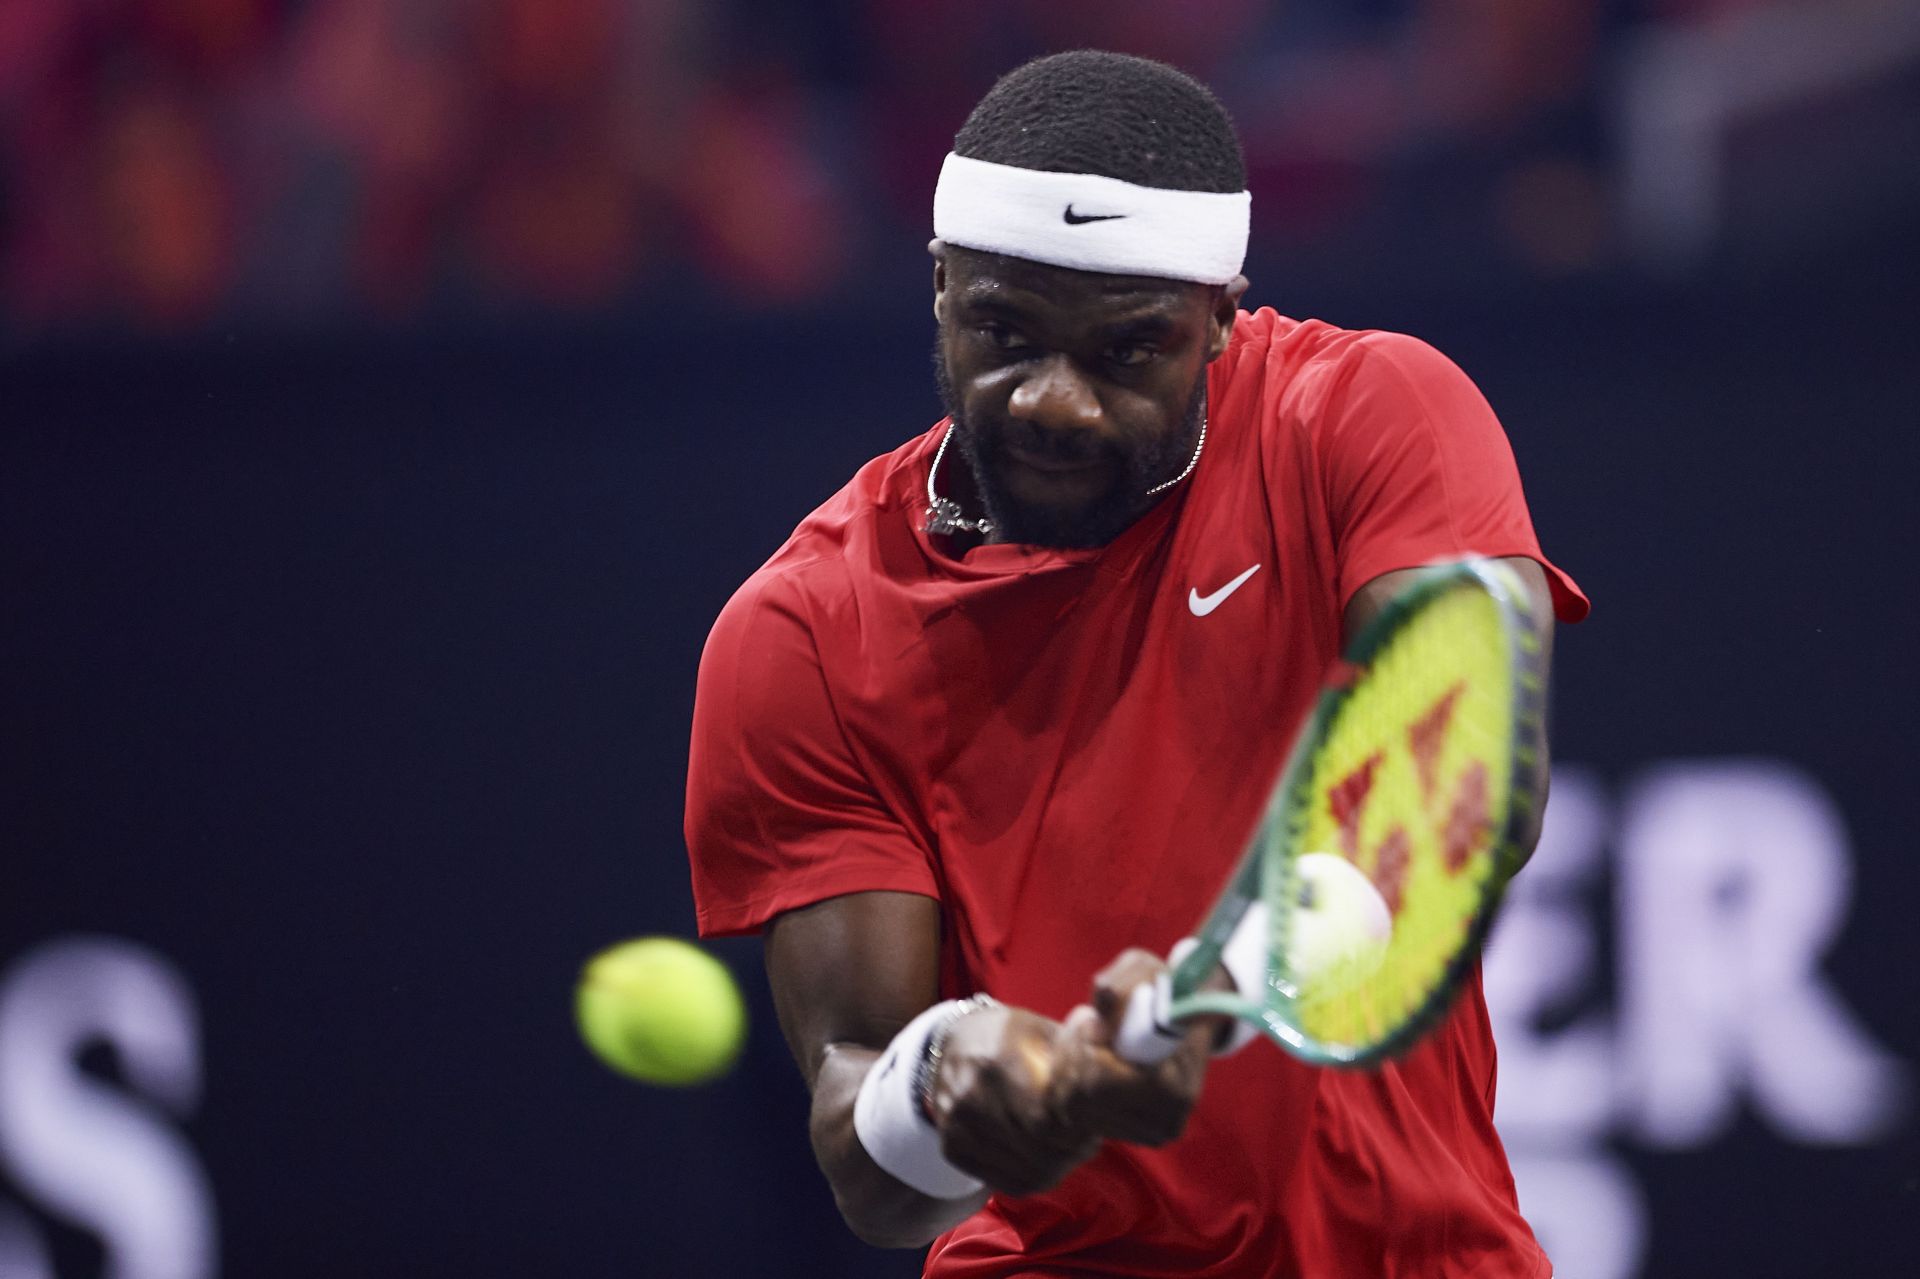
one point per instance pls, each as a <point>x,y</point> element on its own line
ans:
<point>1075,219</point>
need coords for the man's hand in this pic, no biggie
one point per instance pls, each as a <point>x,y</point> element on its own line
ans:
<point>997,1107</point>
<point>1022,1101</point>
<point>1147,1105</point>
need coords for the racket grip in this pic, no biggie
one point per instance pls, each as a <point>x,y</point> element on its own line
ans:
<point>1146,1036</point>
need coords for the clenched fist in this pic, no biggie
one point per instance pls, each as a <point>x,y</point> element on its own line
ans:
<point>1022,1100</point>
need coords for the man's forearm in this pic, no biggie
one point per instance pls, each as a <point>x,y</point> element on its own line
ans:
<point>878,1208</point>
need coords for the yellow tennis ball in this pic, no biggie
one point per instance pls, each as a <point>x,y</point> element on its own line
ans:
<point>661,1010</point>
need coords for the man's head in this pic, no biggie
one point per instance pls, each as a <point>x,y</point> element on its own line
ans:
<point>1092,220</point>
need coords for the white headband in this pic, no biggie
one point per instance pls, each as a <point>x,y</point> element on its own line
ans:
<point>1091,223</point>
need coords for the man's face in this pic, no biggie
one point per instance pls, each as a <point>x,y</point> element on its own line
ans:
<point>1072,393</point>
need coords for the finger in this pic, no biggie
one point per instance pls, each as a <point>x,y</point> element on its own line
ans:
<point>1034,1058</point>
<point>984,1138</point>
<point>1049,1127</point>
<point>1005,1169</point>
<point>1078,1071</point>
<point>1081,1027</point>
<point>1104,1093</point>
<point>1099,1064</point>
<point>1002,1104</point>
<point>1140,1120</point>
<point>993,1054</point>
<point>1113,984</point>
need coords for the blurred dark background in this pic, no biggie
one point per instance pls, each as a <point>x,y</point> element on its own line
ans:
<point>392,392</point>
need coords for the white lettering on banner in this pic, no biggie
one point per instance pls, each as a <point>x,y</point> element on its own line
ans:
<point>1732,881</point>
<point>88,1152</point>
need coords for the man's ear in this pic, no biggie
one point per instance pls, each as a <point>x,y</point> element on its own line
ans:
<point>939,252</point>
<point>1226,307</point>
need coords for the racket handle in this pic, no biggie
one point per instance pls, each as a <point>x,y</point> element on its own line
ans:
<point>1146,1036</point>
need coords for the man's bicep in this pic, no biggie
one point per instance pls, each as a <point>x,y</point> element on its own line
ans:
<point>1365,603</point>
<point>852,970</point>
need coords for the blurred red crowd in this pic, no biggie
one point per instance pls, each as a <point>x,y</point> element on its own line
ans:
<point>169,161</point>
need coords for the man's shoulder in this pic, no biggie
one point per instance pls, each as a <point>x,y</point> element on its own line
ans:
<point>1295,374</point>
<point>840,531</point>
<point>1265,338</point>
<point>843,540</point>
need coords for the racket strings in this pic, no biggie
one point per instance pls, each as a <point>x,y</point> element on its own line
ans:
<point>1410,787</point>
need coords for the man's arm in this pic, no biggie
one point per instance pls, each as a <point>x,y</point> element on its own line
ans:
<point>847,974</point>
<point>1372,597</point>
<point>1019,1100</point>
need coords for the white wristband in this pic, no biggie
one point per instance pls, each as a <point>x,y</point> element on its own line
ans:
<point>887,1115</point>
<point>1245,959</point>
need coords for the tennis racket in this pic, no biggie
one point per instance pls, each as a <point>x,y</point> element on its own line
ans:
<point>1389,837</point>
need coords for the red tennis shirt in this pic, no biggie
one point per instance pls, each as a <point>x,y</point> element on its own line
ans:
<point>1067,748</point>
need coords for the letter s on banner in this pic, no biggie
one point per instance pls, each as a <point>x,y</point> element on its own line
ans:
<point>88,1152</point>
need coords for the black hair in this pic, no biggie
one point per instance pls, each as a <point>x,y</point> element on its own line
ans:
<point>1090,111</point>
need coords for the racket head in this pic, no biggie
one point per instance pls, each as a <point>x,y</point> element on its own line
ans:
<point>1409,787</point>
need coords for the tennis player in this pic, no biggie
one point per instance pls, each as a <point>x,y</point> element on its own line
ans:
<point>1000,714</point>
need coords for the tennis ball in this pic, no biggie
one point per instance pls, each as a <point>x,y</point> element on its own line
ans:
<point>1341,924</point>
<point>661,1010</point>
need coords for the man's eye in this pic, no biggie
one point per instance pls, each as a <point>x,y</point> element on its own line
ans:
<point>1130,354</point>
<point>1002,337</point>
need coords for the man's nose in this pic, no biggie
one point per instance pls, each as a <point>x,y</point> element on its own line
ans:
<point>1054,395</point>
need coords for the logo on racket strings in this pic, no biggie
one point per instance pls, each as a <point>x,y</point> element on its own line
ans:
<point>1454,810</point>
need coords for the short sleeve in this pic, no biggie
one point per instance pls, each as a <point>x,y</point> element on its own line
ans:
<point>779,813</point>
<point>1418,469</point>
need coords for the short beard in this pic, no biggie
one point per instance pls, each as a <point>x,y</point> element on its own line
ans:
<point>1099,521</point>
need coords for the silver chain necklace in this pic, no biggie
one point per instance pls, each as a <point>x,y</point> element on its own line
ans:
<point>943,513</point>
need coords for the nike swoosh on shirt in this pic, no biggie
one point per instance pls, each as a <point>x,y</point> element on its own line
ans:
<point>1204,604</point>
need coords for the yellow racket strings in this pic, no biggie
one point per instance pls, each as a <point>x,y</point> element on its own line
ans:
<point>1410,786</point>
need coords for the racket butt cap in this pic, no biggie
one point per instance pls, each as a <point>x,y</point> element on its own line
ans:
<point>1146,1036</point>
